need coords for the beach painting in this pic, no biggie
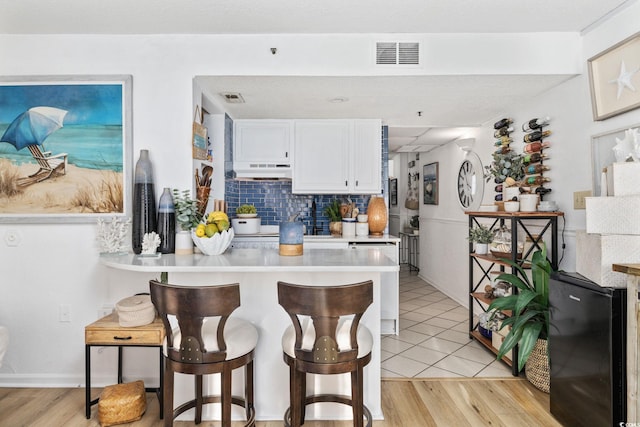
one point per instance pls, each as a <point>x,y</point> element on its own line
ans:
<point>65,148</point>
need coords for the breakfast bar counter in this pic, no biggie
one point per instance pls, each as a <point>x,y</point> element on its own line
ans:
<point>258,271</point>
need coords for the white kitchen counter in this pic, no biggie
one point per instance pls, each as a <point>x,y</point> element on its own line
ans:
<point>258,271</point>
<point>386,238</point>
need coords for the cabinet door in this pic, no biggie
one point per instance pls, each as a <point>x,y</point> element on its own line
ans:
<point>367,157</point>
<point>321,156</point>
<point>262,141</point>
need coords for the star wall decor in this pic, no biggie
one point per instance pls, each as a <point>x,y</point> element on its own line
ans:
<point>624,79</point>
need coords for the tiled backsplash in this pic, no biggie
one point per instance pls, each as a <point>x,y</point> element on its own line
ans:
<point>275,202</point>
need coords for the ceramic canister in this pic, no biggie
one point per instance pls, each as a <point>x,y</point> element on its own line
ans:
<point>291,238</point>
<point>362,229</point>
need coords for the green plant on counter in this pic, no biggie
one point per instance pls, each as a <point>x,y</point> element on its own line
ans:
<point>332,210</point>
<point>530,307</point>
<point>246,209</point>
<point>481,234</point>
<point>186,208</point>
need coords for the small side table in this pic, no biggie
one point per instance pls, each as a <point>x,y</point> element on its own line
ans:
<point>108,332</point>
<point>410,247</point>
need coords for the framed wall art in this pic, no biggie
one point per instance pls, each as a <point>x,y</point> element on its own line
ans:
<point>430,181</point>
<point>614,76</point>
<point>602,154</point>
<point>65,148</point>
<point>393,191</point>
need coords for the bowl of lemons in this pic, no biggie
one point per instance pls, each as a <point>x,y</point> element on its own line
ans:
<point>214,234</point>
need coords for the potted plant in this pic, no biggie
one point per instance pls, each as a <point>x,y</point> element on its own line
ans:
<point>529,320</point>
<point>507,168</point>
<point>481,235</point>
<point>414,222</point>
<point>187,217</point>
<point>332,210</point>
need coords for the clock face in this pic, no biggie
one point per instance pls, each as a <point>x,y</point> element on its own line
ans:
<point>470,183</point>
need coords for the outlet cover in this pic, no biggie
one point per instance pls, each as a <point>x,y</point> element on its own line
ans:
<point>579,197</point>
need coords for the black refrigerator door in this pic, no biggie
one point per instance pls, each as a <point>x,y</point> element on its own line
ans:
<point>587,383</point>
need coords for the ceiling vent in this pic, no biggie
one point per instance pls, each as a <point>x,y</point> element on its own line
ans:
<point>233,97</point>
<point>397,53</point>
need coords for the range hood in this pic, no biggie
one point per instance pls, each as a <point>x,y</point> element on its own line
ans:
<point>249,170</point>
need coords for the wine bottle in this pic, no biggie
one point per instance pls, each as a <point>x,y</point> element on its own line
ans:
<point>536,135</point>
<point>503,140</point>
<point>498,188</point>
<point>503,150</point>
<point>498,197</point>
<point>534,158</point>
<point>504,131</point>
<point>534,147</point>
<point>534,124</point>
<point>535,180</point>
<point>498,180</point>
<point>534,169</point>
<point>502,123</point>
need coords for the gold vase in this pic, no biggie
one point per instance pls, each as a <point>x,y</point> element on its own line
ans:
<point>377,216</point>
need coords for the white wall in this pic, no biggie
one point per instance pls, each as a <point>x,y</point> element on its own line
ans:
<point>58,263</point>
<point>443,228</point>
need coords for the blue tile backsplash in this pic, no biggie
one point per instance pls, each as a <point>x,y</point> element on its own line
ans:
<point>275,202</point>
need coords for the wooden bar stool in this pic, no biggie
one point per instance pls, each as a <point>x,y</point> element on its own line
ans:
<point>326,338</point>
<point>202,338</point>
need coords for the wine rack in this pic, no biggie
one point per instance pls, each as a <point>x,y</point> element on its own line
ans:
<point>502,146</point>
<point>535,145</point>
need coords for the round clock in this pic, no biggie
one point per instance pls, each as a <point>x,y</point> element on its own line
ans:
<point>470,183</point>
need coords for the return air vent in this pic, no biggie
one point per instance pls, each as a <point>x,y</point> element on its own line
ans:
<point>396,53</point>
<point>233,97</point>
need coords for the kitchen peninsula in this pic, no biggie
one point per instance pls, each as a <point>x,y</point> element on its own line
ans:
<point>258,271</point>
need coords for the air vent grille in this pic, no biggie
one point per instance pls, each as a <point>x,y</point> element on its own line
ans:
<point>397,53</point>
<point>233,97</point>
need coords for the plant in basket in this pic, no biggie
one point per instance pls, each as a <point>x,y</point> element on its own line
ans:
<point>529,320</point>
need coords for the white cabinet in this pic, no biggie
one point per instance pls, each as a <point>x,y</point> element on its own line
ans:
<point>337,157</point>
<point>262,148</point>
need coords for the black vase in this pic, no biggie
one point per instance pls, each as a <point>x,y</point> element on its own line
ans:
<point>144,202</point>
<point>167,223</point>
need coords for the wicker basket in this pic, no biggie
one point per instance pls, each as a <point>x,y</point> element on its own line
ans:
<point>122,403</point>
<point>537,367</point>
<point>137,310</point>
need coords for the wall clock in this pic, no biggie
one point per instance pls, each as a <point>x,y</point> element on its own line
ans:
<point>470,183</point>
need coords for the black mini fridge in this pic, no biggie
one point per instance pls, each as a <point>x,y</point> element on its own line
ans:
<point>587,350</point>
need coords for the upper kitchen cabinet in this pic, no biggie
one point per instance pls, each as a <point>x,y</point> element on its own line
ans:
<point>262,148</point>
<point>337,157</point>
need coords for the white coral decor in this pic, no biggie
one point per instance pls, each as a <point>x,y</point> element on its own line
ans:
<point>150,243</point>
<point>111,236</point>
<point>628,147</point>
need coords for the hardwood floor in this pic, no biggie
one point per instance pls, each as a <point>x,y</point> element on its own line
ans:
<point>406,402</point>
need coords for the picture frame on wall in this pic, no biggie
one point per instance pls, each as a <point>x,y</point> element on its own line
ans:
<point>393,191</point>
<point>614,77</point>
<point>430,183</point>
<point>602,154</point>
<point>65,148</point>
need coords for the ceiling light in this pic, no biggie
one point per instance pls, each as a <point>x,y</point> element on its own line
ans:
<point>465,144</point>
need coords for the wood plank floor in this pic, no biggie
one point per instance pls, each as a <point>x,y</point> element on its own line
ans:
<point>406,402</point>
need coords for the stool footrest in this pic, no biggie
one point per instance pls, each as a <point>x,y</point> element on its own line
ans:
<point>333,398</point>
<point>235,400</point>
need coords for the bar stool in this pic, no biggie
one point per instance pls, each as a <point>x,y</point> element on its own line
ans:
<point>326,338</point>
<point>202,338</point>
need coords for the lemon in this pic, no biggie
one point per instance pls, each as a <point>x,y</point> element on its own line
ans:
<point>210,230</point>
<point>217,216</point>
<point>200,232</point>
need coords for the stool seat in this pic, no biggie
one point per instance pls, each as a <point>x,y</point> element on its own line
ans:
<point>240,336</point>
<point>364,337</point>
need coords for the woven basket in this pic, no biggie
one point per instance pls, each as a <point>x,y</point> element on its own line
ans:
<point>537,367</point>
<point>122,403</point>
<point>137,310</point>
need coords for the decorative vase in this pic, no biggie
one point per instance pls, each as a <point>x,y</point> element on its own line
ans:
<point>184,243</point>
<point>537,367</point>
<point>144,202</point>
<point>167,223</point>
<point>510,192</point>
<point>377,213</point>
<point>335,228</point>
<point>482,248</point>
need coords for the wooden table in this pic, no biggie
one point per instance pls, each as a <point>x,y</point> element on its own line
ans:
<point>108,332</point>
<point>633,279</point>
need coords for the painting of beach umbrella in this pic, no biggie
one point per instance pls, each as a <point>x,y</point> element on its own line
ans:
<point>33,126</point>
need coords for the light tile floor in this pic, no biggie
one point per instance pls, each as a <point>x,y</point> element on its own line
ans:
<point>434,339</point>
